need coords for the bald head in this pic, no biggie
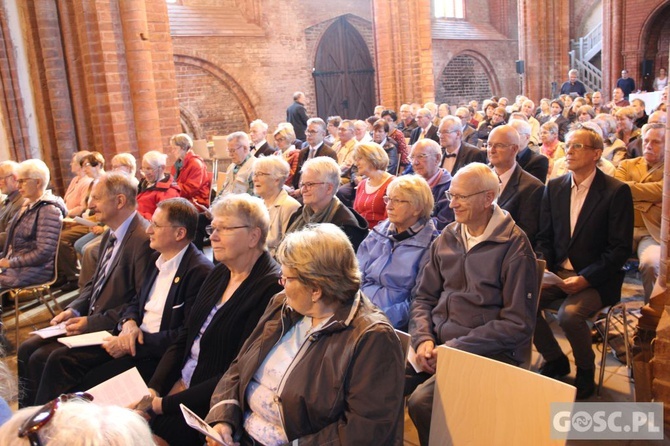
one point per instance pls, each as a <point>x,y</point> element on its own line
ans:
<point>658,116</point>
<point>502,147</point>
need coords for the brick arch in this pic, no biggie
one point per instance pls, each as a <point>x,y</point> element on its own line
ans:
<point>190,123</point>
<point>225,80</point>
<point>650,34</point>
<point>470,83</point>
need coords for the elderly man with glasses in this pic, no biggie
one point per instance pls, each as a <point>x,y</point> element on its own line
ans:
<point>484,266</point>
<point>586,236</point>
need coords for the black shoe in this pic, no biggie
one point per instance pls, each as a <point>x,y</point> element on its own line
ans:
<point>69,286</point>
<point>59,282</point>
<point>556,368</point>
<point>585,383</point>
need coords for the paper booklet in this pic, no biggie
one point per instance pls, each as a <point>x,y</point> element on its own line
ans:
<point>123,390</point>
<point>85,222</point>
<point>85,340</point>
<point>197,423</point>
<point>51,331</point>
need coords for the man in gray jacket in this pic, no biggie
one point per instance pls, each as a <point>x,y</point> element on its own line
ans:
<point>479,290</point>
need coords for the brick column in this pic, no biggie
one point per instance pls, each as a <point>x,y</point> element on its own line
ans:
<point>544,40</point>
<point>136,39</point>
<point>612,44</point>
<point>404,51</point>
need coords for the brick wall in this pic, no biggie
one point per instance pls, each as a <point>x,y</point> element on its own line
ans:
<point>462,80</point>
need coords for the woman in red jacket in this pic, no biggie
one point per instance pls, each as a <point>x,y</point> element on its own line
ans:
<point>156,184</point>
<point>190,173</point>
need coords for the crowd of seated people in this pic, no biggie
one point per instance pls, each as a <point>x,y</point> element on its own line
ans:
<point>416,223</point>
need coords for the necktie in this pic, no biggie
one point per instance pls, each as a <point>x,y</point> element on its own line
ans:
<point>103,267</point>
<point>422,135</point>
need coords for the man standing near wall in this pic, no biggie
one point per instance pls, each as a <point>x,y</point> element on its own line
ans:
<point>572,85</point>
<point>297,115</point>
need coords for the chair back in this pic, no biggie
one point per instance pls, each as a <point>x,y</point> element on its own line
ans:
<point>526,361</point>
<point>480,401</point>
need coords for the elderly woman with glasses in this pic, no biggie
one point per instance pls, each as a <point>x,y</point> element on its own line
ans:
<point>394,252</point>
<point>156,185</point>
<point>226,310</point>
<point>269,176</point>
<point>32,238</point>
<point>323,366</point>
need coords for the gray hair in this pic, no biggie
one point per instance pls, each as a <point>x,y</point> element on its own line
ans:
<point>452,122</point>
<point>323,258</point>
<point>259,123</point>
<point>79,155</point>
<point>415,189</point>
<point>325,168</point>
<point>249,209</point>
<point>522,127</point>
<point>34,168</point>
<point>484,178</point>
<point>117,183</point>
<point>82,423</point>
<point>182,140</point>
<point>155,159</point>
<point>429,146</point>
<point>10,167</point>
<point>275,166</point>
<point>240,137</point>
<point>319,122</point>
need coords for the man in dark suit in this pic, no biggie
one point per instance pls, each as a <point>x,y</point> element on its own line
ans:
<point>407,122</point>
<point>297,115</point>
<point>426,129</point>
<point>314,146</point>
<point>456,152</point>
<point>258,131</point>
<point>520,192</point>
<point>533,163</point>
<point>469,133</point>
<point>561,121</point>
<point>586,235</point>
<point>149,324</point>
<point>121,269</point>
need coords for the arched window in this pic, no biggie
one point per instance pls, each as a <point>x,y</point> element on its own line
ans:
<point>448,9</point>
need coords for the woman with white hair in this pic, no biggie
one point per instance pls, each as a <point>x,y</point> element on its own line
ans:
<point>289,147</point>
<point>323,366</point>
<point>32,238</point>
<point>71,420</point>
<point>269,176</point>
<point>372,161</point>
<point>156,185</point>
<point>225,312</point>
<point>393,254</point>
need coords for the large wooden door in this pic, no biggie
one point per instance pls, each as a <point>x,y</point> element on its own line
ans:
<point>344,74</point>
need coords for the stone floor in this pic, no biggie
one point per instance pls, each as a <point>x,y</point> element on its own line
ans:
<point>616,386</point>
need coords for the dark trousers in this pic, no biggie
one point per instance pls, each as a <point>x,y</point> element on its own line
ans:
<point>32,357</point>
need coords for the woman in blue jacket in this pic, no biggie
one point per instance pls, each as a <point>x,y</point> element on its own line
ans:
<point>394,252</point>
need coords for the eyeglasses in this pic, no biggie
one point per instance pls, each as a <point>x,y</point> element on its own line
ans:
<point>312,132</point>
<point>452,197</point>
<point>420,157</point>
<point>499,115</point>
<point>498,145</point>
<point>24,180</point>
<point>283,279</point>
<point>308,186</point>
<point>6,176</point>
<point>448,131</point>
<point>261,174</point>
<point>44,414</point>
<point>577,147</point>
<point>222,230</point>
<point>147,169</point>
<point>393,201</point>
<point>234,148</point>
<point>154,225</point>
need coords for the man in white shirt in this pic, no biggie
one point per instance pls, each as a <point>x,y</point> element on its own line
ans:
<point>151,322</point>
<point>586,236</point>
<point>520,192</point>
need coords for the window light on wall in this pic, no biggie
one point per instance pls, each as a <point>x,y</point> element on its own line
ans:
<point>448,9</point>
